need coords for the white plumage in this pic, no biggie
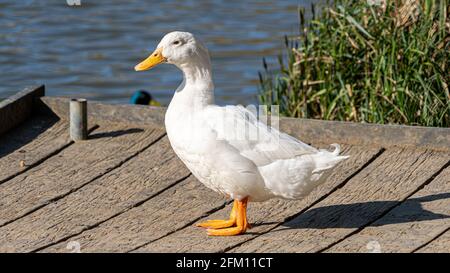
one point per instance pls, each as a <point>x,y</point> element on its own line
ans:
<point>227,148</point>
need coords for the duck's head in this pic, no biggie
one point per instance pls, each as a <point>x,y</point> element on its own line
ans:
<point>144,98</point>
<point>178,48</point>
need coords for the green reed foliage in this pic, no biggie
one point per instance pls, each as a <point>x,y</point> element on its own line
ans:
<point>366,63</point>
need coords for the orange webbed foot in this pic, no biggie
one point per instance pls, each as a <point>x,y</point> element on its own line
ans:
<point>216,224</point>
<point>237,224</point>
<point>226,231</point>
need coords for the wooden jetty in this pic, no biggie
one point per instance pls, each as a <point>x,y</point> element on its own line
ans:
<point>124,190</point>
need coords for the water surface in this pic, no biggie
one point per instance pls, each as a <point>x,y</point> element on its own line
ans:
<point>90,50</point>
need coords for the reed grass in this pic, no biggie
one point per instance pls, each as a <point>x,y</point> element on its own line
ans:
<point>356,61</point>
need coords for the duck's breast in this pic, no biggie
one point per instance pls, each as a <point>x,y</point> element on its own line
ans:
<point>213,161</point>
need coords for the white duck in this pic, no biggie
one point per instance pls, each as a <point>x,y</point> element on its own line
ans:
<point>214,141</point>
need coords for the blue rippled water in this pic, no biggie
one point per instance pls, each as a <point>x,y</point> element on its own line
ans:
<point>90,50</point>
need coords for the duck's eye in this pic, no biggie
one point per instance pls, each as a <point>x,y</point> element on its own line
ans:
<point>176,43</point>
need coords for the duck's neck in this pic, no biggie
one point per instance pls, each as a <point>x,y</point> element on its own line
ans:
<point>197,89</point>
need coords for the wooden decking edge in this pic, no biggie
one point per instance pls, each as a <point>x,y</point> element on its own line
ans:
<point>433,138</point>
<point>309,130</point>
<point>17,108</point>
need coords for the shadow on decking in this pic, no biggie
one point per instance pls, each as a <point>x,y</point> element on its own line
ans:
<point>360,214</point>
<point>116,133</point>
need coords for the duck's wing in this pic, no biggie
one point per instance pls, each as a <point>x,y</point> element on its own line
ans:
<point>258,142</point>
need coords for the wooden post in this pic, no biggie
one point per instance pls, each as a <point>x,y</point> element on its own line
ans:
<point>78,119</point>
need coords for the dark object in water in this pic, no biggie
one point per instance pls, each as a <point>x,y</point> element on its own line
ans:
<point>144,98</point>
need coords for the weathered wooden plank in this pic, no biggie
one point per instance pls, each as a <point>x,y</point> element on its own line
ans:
<point>171,210</point>
<point>137,180</point>
<point>263,216</point>
<point>72,168</point>
<point>415,222</point>
<point>30,143</point>
<point>130,114</point>
<point>440,245</point>
<point>18,108</point>
<point>309,130</point>
<point>390,179</point>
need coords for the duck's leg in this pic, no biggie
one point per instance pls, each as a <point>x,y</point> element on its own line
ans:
<point>241,222</point>
<point>221,223</point>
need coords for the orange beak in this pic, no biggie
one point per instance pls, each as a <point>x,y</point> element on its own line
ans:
<point>153,60</point>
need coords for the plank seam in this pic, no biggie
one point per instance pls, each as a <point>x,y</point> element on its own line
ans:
<point>56,198</point>
<point>93,226</point>
<point>434,238</point>
<point>43,159</point>
<point>427,181</point>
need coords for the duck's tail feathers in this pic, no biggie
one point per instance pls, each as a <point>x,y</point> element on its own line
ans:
<point>337,149</point>
<point>327,160</point>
